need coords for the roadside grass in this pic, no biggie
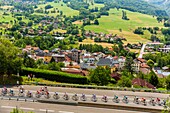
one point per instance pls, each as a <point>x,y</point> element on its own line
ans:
<point>66,10</point>
<point>162,89</point>
<point>36,80</point>
<point>113,23</point>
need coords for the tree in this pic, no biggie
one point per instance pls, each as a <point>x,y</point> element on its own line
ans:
<point>54,66</point>
<point>150,63</point>
<point>96,22</point>
<point>168,82</point>
<point>71,64</point>
<point>61,64</point>
<point>28,62</point>
<point>100,76</point>
<point>124,82</point>
<point>128,64</point>
<point>124,16</point>
<point>10,63</point>
<point>153,78</point>
<point>167,107</point>
<point>139,30</point>
<point>30,23</point>
<point>39,62</point>
<point>48,7</point>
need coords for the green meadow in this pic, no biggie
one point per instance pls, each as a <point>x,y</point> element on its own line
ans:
<point>61,7</point>
<point>113,23</point>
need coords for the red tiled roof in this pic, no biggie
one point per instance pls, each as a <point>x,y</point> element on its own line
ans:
<point>28,46</point>
<point>116,65</point>
<point>145,70</point>
<point>160,75</point>
<point>46,51</point>
<point>79,72</point>
<point>67,59</point>
<point>141,82</point>
<point>76,66</point>
<point>116,76</point>
<point>35,48</point>
<point>141,60</point>
<point>143,65</point>
<point>115,57</point>
<point>89,57</point>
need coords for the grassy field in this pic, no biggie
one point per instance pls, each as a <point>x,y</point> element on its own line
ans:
<point>113,22</point>
<point>5,18</point>
<point>6,7</point>
<point>96,5</point>
<point>89,41</point>
<point>66,10</point>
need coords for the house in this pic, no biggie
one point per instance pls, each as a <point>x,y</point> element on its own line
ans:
<point>75,55</point>
<point>28,47</point>
<point>40,55</point>
<point>121,61</point>
<point>161,73</point>
<point>59,38</point>
<point>98,55</point>
<point>47,58</point>
<point>104,62</point>
<point>108,62</point>
<point>89,59</point>
<point>116,76</point>
<point>142,83</point>
<point>85,66</point>
<point>36,49</point>
<point>166,49</point>
<point>75,71</point>
<point>46,51</point>
<point>140,63</point>
<point>59,57</point>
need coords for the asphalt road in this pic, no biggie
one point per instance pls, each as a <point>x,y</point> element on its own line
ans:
<point>7,106</point>
<point>99,93</point>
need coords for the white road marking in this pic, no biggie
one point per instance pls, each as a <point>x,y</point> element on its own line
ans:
<point>27,108</point>
<point>51,111</point>
<point>121,111</point>
<point>9,107</point>
<point>46,110</point>
<point>42,109</point>
<point>132,111</point>
<point>64,112</point>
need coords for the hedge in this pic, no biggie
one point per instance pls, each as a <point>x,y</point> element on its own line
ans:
<point>10,80</point>
<point>55,75</point>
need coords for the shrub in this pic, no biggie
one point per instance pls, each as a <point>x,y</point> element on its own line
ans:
<point>55,75</point>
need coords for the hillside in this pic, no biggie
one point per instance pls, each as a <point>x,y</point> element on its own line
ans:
<point>135,6</point>
<point>165,4</point>
<point>113,23</point>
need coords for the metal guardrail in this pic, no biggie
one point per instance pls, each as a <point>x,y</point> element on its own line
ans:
<point>108,106</point>
<point>87,104</point>
<point>17,98</point>
<point>121,107</point>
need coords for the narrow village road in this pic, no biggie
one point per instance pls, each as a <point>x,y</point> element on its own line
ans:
<point>142,51</point>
